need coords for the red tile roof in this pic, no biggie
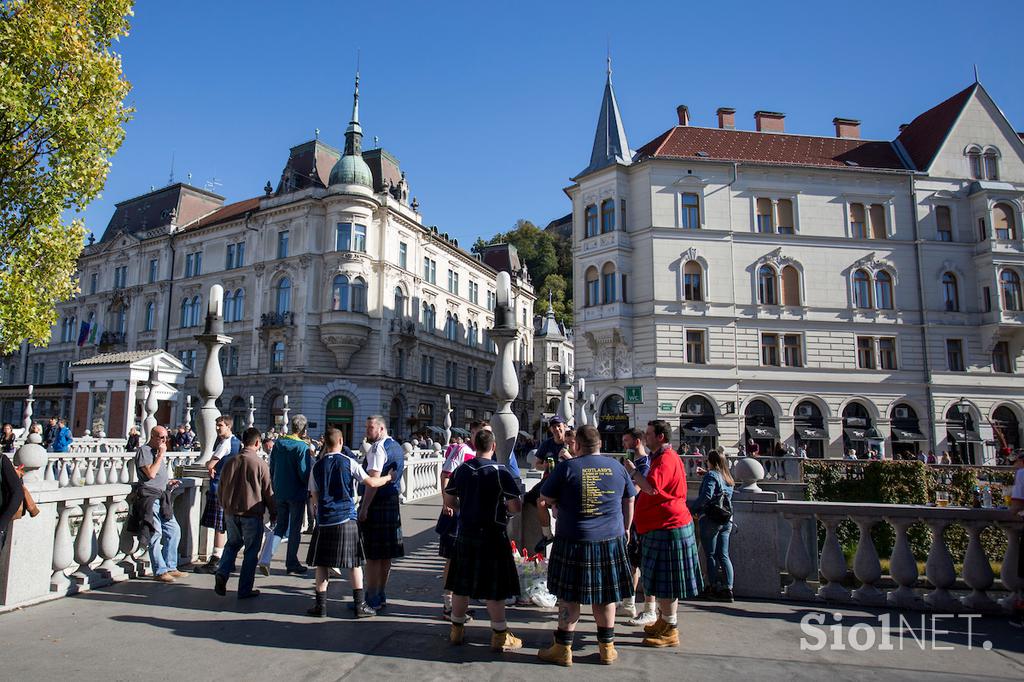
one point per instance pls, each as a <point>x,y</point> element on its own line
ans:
<point>926,133</point>
<point>226,213</point>
<point>717,144</point>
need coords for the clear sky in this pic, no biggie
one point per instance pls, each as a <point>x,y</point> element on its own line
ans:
<point>491,108</point>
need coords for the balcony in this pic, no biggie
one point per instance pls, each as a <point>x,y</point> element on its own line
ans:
<point>606,311</point>
<point>270,320</point>
<point>344,332</point>
<point>112,341</point>
<point>609,240</point>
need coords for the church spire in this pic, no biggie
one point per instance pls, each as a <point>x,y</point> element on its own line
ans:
<point>354,132</point>
<point>610,144</point>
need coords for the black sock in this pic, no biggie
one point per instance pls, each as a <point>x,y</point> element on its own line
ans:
<point>563,637</point>
<point>605,635</point>
<point>357,596</point>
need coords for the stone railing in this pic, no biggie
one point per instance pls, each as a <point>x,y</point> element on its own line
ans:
<point>69,469</point>
<point>421,478</point>
<point>788,469</point>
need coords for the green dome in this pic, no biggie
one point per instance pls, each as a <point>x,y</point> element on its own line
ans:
<point>351,170</point>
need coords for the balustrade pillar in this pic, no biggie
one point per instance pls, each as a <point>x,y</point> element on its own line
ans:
<point>63,551</point>
<point>940,570</point>
<point>1011,580</point>
<point>798,561</point>
<point>85,546</point>
<point>866,565</point>
<point>110,543</point>
<point>977,572</point>
<point>902,566</point>
<point>833,563</point>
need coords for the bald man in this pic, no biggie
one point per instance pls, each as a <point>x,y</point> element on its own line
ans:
<point>151,462</point>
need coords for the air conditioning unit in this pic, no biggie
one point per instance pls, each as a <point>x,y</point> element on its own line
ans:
<point>805,411</point>
<point>901,413</point>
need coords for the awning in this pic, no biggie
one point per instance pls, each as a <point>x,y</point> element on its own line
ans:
<point>908,435</point>
<point>857,435</point>
<point>706,431</point>
<point>811,433</point>
<point>763,432</point>
<point>436,430</point>
<point>458,431</point>
<point>957,435</point>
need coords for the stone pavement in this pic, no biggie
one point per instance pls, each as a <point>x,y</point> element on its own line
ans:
<point>151,631</point>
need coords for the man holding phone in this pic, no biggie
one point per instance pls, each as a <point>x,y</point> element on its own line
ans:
<point>151,462</point>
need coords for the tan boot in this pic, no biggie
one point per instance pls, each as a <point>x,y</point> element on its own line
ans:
<point>656,628</point>
<point>668,637</point>
<point>608,653</point>
<point>560,654</point>
<point>505,641</point>
<point>457,635</point>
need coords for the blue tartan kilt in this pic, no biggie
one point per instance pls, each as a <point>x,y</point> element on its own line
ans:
<point>382,530</point>
<point>669,563</point>
<point>213,514</point>
<point>590,572</point>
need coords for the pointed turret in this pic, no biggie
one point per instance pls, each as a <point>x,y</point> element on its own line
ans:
<point>351,169</point>
<point>550,329</point>
<point>610,144</point>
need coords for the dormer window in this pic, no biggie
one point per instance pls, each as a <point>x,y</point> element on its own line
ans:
<point>991,159</point>
<point>974,162</point>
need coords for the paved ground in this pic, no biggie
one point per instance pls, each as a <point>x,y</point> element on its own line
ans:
<point>151,631</point>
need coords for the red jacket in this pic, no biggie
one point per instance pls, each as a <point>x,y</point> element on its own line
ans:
<point>666,508</point>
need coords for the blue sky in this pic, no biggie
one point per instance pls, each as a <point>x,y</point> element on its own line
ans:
<point>491,108</point>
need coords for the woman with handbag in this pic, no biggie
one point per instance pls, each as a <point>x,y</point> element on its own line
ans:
<point>713,509</point>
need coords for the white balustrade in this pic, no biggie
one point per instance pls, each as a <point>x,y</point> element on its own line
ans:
<point>421,478</point>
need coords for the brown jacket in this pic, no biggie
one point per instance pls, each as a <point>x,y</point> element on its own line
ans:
<point>245,485</point>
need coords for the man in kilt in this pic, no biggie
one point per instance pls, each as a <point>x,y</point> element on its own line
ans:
<point>669,565</point>
<point>245,494</point>
<point>380,513</point>
<point>335,542</point>
<point>226,445</point>
<point>482,568</point>
<point>633,441</point>
<point>594,502</point>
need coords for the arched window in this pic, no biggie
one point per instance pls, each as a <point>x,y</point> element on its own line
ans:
<point>340,293</point>
<point>790,286</point>
<point>608,215</point>
<point>974,161</point>
<point>883,290</point>
<point>861,289</point>
<point>950,292</point>
<point>239,304</point>
<point>186,312</point>
<point>858,227</point>
<point>150,316</point>
<point>277,357</point>
<point>197,307</point>
<point>590,220</point>
<point>608,292</point>
<point>1003,221</point>
<point>359,295</point>
<point>991,165</point>
<point>1010,283</point>
<point>450,327</point>
<point>283,297</point>
<point>766,293</point>
<point>693,289</point>
<point>593,287</point>
<point>399,302</point>
<point>427,323</point>
<point>229,307</point>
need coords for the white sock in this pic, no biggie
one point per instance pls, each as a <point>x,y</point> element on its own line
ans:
<point>499,625</point>
<point>671,620</point>
<point>448,600</point>
<point>458,620</point>
<point>650,607</point>
<point>629,601</point>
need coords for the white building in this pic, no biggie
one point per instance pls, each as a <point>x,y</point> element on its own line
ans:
<point>835,292</point>
<point>552,360</point>
<point>337,295</point>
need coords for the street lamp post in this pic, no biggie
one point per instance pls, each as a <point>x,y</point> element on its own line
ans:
<point>962,406</point>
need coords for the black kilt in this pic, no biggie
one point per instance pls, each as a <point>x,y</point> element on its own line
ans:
<point>482,568</point>
<point>590,572</point>
<point>213,514</point>
<point>633,548</point>
<point>446,528</point>
<point>335,546</point>
<point>382,530</point>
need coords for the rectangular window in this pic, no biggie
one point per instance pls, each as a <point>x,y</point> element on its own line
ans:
<point>229,258</point>
<point>955,355</point>
<point>240,254</point>
<point>430,270</point>
<point>622,212</point>
<point>608,287</point>
<point>764,216</point>
<point>690,212</point>
<point>403,255</point>
<point>858,225</point>
<point>359,238</point>
<point>887,353</point>
<point>792,350</point>
<point>770,349</point>
<point>590,220</point>
<point>154,269</point>
<point>282,244</point>
<point>474,293</point>
<point>189,264</point>
<point>784,216</point>
<point>93,281</point>
<point>1001,358</point>
<point>554,354</point>
<point>877,215</point>
<point>982,231</point>
<point>865,352</point>
<point>986,294</point>
<point>491,300</point>
<point>943,224</point>
<point>695,347</point>
<point>453,282</point>
<point>121,277</point>
<point>199,263</point>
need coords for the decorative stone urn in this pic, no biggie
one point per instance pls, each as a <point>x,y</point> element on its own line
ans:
<point>32,455</point>
<point>748,471</point>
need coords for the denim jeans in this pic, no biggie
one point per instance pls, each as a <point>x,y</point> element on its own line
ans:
<point>163,546</point>
<point>244,531</point>
<point>290,514</point>
<point>714,538</point>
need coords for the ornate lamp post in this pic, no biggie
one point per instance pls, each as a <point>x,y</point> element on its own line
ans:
<point>504,382</point>
<point>963,408</point>
<point>211,382</point>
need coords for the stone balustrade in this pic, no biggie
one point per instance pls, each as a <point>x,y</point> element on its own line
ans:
<point>99,468</point>
<point>421,478</point>
<point>788,469</point>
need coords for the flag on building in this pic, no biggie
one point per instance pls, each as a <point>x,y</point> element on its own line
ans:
<point>83,333</point>
<point>95,334</point>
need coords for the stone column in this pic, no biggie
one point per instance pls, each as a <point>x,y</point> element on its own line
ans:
<point>106,409</point>
<point>447,420</point>
<point>504,382</point>
<point>565,404</point>
<point>581,403</point>
<point>129,408</point>
<point>149,407</point>
<point>211,381</point>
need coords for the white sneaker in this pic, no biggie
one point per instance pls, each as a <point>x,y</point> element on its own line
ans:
<point>643,619</point>
<point>625,608</point>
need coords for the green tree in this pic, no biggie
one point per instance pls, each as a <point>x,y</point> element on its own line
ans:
<point>62,117</point>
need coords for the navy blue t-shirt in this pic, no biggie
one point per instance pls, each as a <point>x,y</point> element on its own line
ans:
<point>589,491</point>
<point>481,486</point>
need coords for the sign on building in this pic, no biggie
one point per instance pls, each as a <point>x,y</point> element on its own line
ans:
<point>634,395</point>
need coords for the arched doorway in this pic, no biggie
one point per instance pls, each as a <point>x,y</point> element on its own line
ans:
<point>612,422</point>
<point>907,437</point>
<point>962,434</point>
<point>760,427</point>
<point>396,416</point>
<point>276,416</point>
<point>339,414</point>
<point>857,430</point>
<point>697,426</point>
<point>809,425</point>
<point>1006,431</point>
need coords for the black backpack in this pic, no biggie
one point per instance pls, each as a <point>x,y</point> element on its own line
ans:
<point>719,509</point>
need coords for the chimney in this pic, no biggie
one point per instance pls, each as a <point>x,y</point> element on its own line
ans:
<point>903,126</point>
<point>683,112</point>
<point>726,118</point>
<point>770,121</point>
<point>847,127</point>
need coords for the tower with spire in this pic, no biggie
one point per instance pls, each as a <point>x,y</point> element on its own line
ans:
<point>610,144</point>
<point>351,169</point>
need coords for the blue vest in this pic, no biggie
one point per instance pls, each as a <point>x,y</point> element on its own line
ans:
<point>395,461</point>
<point>333,477</point>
